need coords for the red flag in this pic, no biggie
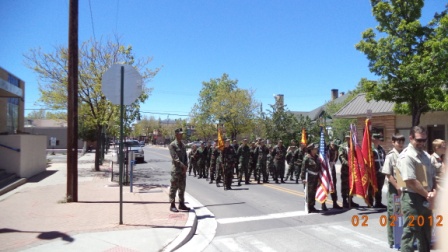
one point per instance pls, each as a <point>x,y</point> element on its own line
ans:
<point>326,183</point>
<point>367,153</point>
<point>358,177</point>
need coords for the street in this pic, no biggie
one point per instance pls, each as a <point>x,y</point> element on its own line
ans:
<point>267,217</point>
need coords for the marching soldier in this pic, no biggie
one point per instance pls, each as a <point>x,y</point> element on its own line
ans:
<point>278,154</point>
<point>214,153</point>
<point>252,162</point>
<point>244,158</point>
<point>193,158</point>
<point>228,163</point>
<point>290,159</point>
<point>261,153</point>
<point>201,160</point>
<point>299,154</point>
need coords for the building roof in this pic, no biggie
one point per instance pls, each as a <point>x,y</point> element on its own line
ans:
<point>317,112</point>
<point>359,106</point>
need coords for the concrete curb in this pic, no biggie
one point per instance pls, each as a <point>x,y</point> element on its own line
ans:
<point>188,232</point>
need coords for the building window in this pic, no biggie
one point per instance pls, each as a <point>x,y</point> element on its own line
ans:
<point>13,80</point>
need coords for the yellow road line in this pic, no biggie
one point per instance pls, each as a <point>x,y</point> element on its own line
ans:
<point>290,191</point>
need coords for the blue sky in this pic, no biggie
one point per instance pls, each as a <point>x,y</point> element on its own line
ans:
<point>298,48</point>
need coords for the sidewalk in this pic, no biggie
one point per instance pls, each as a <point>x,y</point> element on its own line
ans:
<point>34,216</point>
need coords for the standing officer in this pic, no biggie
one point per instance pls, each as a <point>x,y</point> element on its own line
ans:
<point>379,155</point>
<point>261,153</point>
<point>311,165</point>
<point>178,154</point>
<point>279,154</point>
<point>390,165</point>
<point>345,187</point>
<point>244,156</point>
<point>419,194</point>
<point>228,163</point>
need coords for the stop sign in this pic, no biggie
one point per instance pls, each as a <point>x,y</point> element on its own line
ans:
<point>111,84</point>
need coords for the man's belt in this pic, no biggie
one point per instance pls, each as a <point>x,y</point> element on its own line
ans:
<point>313,173</point>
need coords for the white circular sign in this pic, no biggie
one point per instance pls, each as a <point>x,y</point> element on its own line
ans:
<point>111,84</point>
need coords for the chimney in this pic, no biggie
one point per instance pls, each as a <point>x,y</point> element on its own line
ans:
<point>279,101</point>
<point>334,94</point>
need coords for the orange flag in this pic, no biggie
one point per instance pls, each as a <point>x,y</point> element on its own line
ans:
<point>303,136</point>
<point>220,139</point>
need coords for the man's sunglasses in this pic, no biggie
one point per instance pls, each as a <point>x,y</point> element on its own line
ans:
<point>422,140</point>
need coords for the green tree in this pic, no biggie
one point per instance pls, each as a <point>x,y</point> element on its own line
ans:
<point>404,58</point>
<point>281,124</point>
<point>95,111</point>
<point>37,114</point>
<point>221,101</point>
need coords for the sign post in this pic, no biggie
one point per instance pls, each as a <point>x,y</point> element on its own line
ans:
<point>112,85</point>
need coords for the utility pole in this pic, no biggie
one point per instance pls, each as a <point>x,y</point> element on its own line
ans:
<point>72,113</point>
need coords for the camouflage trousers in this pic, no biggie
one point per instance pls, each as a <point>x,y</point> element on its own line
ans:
<point>279,171</point>
<point>298,168</point>
<point>243,168</point>
<point>178,183</point>
<point>312,185</point>
<point>261,170</point>
<point>291,169</point>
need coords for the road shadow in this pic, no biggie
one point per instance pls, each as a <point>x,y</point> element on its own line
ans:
<point>47,235</point>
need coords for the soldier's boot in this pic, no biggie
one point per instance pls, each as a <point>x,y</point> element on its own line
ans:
<point>297,180</point>
<point>282,181</point>
<point>324,207</point>
<point>291,178</point>
<point>182,206</point>
<point>336,206</point>
<point>258,180</point>
<point>353,204</point>
<point>287,176</point>
<point>344,202</point>
<point>173,208</point>
<point>239,182</point>
<point>312,209</point>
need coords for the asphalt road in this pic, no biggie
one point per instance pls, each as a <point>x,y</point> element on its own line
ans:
<point>267,217</point>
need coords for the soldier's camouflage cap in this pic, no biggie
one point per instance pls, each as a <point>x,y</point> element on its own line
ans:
<point>178,131</point>
<point>312,146</point>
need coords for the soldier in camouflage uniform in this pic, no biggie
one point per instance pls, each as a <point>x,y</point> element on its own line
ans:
<point>311,164</point>
<point>345,187</point>
<point>214,153</point>
<point>299,154</point>
<point>178,171</point>
<point>208,157</point>
<point>279,154</point>
<point>290,160</point>
<point>193,158</point>
<point>261,153</point>
<point>228,163</point>
<point>201,161</point>
<point>252,162</point>
<point>243,155</point>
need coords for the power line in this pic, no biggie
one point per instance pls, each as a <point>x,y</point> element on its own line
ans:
<point>91,18</point>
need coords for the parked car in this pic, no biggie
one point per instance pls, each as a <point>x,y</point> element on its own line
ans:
<point>135,146</point>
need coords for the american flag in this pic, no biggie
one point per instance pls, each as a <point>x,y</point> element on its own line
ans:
<point>326,183</point>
